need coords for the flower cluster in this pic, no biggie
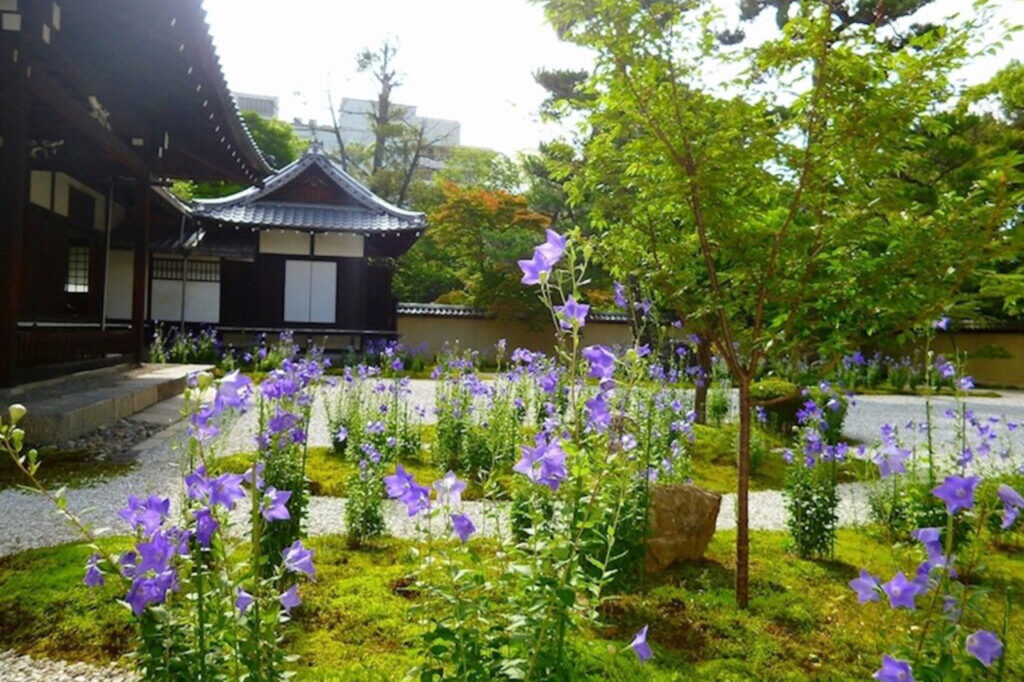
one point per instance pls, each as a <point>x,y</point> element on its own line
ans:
<point>937,574</point>
<point>402,486</point>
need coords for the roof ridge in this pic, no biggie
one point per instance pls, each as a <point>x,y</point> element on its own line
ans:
<point>314,154</point>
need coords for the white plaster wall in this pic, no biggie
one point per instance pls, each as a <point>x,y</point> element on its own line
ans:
<point>40,188</point>
<point>287,243</point>
<point>60,199</point>
<point>338,245</point>
<point>119,291</point>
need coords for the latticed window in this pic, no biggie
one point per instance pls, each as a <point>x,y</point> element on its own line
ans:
<point>78,270</point>
<point>198,270</point>
<point>204,271</point>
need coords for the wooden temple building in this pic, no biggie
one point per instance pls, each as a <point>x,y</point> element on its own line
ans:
<point>101,103</point>
<point>308,249</point>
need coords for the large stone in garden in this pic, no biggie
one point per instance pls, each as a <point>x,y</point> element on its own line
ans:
<point>682,521</point>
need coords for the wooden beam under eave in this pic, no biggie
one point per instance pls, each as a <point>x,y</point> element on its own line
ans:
<point>14,188</point>
<point>74,112</point>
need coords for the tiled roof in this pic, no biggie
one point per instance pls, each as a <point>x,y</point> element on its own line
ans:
<point>438,310</point>
<point>250,206</point>
<point>608,317</point>
<point>307,216</point>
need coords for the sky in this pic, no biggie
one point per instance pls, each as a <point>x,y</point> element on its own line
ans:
<point>468,60</point>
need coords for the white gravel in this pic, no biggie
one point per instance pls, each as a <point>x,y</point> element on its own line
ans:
<point>17,668</point>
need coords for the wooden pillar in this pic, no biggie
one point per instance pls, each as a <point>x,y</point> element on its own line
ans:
<point>13,193</point>
<point>141,269</point>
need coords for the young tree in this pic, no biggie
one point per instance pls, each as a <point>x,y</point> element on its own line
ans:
<point>392,163</point>
<point>781,203</point>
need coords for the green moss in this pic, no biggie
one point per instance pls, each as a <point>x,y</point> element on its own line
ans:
<point>803,622</point>
<point>46,610</point>
<point>713,458</point>
<point>329,473</point>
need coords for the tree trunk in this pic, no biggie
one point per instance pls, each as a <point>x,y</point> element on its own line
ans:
<point>742,517</point>
<point>700,400</point>
<point>381,121</point>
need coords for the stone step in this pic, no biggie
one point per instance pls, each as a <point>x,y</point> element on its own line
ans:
<point>65,410</point>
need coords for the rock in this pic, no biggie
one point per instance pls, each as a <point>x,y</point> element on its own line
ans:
<point>682,522</point>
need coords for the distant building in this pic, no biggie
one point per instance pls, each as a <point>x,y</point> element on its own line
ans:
<point>308,249</point>
<point>264,105</point>
<point>355,123</point>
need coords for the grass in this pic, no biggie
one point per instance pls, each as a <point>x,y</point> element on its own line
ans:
<point>72,468</point>
<point>803,621</point>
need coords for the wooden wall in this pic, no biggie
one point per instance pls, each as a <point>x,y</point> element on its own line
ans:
<point>252,294</point>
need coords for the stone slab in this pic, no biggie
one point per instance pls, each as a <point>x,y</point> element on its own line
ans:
<point>63,411</point>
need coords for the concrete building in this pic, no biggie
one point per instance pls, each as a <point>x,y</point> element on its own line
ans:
<point>355,123</point>
<point>264,105</point>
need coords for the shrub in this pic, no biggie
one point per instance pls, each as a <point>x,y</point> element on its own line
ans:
<point>811,502</point>
<point>780,399</point>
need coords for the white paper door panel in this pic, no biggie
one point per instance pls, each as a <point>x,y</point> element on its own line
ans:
<point>297,280</point>
<point>323,291</point>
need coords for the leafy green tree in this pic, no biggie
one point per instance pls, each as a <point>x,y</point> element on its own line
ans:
<point>991,117</point>
<point>781,201</point>
<point>275,138</point>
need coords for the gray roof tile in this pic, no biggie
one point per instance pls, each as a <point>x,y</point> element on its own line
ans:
<point>251,206</point>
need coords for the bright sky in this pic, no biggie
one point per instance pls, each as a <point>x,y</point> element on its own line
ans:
<point>468,60</point>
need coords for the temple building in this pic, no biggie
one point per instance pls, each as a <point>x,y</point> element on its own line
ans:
<point>310,250</point>
<point>101,104</point>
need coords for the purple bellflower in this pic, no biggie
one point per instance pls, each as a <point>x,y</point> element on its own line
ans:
<point>573,314</point>
<point>298,559</point>
<point>93,574</point>
<point>894,670</point>
<point>273,506</point>
<point>534,268</point>
<point>290,599</point>
<point>551,250</point>
<point>901,592</point>
<point>601,361</point>
<point>1012,504</point>
<point>985,646</point>
<point>226,489</point>
<point>463,526</point>
<point>544,464</point>
<point>242,600</point>
<point>957,492</point>
<point>449,489</point>
<point>206,526</point>
<point>403,487</point>
<point>866,587</point>
<point>640,646</point>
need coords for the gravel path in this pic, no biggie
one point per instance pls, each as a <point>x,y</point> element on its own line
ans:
<point>870,412</point>
<point>17,668</point>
